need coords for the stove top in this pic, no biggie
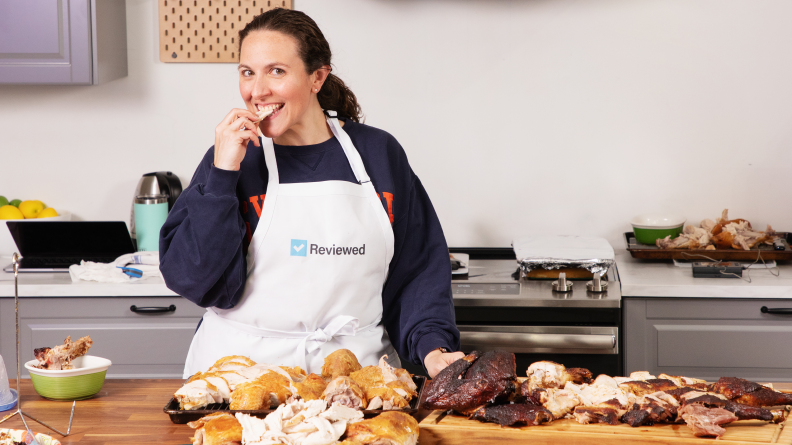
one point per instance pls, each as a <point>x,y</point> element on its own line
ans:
<point>491,282</point>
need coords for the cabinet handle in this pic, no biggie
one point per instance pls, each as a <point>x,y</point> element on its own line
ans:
<point>152,309</point>
<point>777,310</point>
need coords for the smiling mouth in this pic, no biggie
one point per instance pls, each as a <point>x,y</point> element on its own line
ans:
<point>268,111</point>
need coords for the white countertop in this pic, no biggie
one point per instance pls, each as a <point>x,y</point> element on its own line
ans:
<point>641,278</point>
<point>61,285</point>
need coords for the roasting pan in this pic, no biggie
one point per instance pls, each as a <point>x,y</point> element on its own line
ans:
<point>183,416</point>
<point>764,252</point>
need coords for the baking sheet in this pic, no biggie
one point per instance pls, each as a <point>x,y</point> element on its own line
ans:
<point>763,253</point>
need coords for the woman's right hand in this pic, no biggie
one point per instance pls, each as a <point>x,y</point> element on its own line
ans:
<point>231,139</point>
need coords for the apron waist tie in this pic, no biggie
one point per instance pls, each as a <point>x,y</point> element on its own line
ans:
<point>341,325</point>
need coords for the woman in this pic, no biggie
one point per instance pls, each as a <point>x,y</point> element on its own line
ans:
<point>315,237</point>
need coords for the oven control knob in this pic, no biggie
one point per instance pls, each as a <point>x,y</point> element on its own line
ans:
<point>562,285</point>
<point>597,285</point>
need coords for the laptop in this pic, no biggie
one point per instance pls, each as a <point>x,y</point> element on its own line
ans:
<point>52,246</point>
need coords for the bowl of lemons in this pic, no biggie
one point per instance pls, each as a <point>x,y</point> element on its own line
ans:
<point>30,210</point>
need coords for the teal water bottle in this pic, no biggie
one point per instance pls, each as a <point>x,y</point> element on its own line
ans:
<point>150,215</point>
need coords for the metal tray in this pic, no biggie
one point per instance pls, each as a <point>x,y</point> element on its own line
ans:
<point>764,252</point>
<point>183,416</point>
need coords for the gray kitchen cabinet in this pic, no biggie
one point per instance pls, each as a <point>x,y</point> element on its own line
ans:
<point>77,42</point>
<point>708,338</point>
<point>152,345</point>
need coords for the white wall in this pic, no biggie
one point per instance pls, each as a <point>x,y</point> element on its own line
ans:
<point>520,117</point>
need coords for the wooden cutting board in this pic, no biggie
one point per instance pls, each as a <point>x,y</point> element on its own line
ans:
<point>453,429</point>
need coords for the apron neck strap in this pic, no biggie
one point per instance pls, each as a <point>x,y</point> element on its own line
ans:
<point>349,148</point>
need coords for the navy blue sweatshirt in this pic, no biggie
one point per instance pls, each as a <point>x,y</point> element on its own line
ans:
<point>204,241</point>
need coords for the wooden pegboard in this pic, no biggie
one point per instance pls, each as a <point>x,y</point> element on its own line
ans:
<point>206,31</point>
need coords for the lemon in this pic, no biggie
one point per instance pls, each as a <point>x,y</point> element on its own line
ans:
<point>49,212</point>
<point>3,201</point>
<point>10,212</point>
<point>31,209</point>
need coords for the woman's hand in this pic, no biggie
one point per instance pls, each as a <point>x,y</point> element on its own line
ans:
<point>437,360</point>
<point>232,136</point>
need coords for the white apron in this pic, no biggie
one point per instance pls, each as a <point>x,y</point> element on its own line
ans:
<point>317,263</point>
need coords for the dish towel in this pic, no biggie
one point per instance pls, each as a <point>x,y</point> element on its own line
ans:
<point>125,269</point>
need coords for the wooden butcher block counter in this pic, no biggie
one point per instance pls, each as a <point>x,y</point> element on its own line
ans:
<point>124,412</point>
<point>130,411</point>
<point>437,429</point>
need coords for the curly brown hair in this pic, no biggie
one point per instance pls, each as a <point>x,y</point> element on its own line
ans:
<point>314,52</point>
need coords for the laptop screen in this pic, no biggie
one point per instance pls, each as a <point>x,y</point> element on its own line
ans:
<point>71,238</point>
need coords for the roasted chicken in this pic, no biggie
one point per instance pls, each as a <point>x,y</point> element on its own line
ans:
<point>547,374</point>
<point>383,388</point>
<point>299,422</point>
<point>340,363</point>
<point>723,234</point>
<point>60,357</point>
<point>344,391</point>
<point>311,388</point>
<point>388,428</point>
<point>217,429</point>
<point>269,390</point>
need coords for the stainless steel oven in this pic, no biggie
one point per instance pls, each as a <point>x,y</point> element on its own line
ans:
<point>496,308</point>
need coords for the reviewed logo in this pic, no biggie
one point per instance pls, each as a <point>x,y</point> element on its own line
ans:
<point>299,247</point>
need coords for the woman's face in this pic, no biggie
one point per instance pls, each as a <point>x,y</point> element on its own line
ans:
<point>272,73</point>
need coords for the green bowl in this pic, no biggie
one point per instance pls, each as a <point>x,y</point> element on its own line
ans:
<point>82,382</point>
<point>649,236</point>
<point>651,227</point>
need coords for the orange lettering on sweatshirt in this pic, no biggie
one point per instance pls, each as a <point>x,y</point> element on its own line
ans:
<point>254,201</point>
<point>389,200</point>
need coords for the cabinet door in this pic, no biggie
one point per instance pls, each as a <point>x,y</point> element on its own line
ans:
<point>45,41</point>
<point>149,345</point>
<point>708,338</point>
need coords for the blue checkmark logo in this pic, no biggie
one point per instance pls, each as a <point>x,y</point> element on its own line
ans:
<point>299,247</point>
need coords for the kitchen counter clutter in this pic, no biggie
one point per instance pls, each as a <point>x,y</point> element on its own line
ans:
<point>125,321</point>
<point>61,285</point>
<point>642,278</point>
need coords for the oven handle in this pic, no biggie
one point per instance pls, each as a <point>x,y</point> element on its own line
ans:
<point>522,340</point>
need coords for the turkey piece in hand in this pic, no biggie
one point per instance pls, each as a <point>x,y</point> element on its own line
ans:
<point>476,380</point>
<point>546,374</point>
<point>60,357</point>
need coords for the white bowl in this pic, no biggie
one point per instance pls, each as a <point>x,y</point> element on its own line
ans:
<point>87,364</point>
<point>657,221</point>
<point>7,244</point>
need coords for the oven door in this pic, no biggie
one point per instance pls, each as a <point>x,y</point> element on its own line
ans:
<point>593,347</point>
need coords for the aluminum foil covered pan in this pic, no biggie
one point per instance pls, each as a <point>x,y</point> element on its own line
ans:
<point>555,252</point>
